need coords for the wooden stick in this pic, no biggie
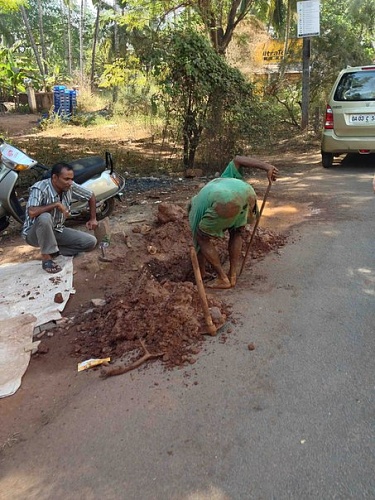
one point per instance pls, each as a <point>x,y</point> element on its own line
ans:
<point>202,293</point>
<point>119,370</point>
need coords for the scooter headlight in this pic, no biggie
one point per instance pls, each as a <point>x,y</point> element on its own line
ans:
<point>20,167</point>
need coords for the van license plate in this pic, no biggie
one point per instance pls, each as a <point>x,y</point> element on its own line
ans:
<point>362,119</point>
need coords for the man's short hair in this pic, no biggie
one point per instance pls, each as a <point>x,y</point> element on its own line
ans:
<point>58,167</point>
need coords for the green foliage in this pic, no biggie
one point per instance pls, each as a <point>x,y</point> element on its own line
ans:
<point>14,69</point>
<point>121,72</point>
<point>135,99</point>
<point>11,5</point>
<point>330,54</point>
<point>200,92</point>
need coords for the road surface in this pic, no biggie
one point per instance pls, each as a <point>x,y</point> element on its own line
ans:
<point>292,419</point>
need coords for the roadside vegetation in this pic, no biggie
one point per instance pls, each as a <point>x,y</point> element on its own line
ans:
<point>159,72</point>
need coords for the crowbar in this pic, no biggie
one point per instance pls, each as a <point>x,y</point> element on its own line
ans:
<point>211,328</point>
<point>256,225</point>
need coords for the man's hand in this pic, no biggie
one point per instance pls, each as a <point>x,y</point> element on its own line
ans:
<point>272,173</point>
<point>36,211</point>
<point>92,224</point>
<point>62,208</point>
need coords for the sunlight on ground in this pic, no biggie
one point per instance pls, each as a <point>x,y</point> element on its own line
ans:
<point>23,485</point>
<point>212,493</point>
<point>18,253</point>
<point>334,233</point>
<point>114,130</point>
<point>283,217</point>
<point>283,210</point>
<point>367,275</point>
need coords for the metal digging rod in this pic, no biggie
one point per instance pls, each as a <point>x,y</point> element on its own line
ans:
<point>255,226</point>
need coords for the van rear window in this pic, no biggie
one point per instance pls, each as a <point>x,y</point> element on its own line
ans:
<point>356,86</point>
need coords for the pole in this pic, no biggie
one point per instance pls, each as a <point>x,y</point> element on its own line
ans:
<point>255,226</point>
<point>305,82</point>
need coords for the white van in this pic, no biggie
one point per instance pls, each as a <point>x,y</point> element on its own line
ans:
<point>350,115</point>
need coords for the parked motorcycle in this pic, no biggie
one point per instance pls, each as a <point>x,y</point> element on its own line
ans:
<point>93,172</point>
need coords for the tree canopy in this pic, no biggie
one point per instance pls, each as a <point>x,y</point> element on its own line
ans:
<point>171,55</point>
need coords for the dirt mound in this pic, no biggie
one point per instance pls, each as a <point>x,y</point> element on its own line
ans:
<point>167,317</point>
<point>159,310</point>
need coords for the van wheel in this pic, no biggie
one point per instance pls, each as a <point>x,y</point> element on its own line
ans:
<point>327,160</point>
<point>105,209</point>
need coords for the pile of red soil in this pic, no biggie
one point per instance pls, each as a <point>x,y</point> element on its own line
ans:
<point>167,317</point>
<point>161,308</point>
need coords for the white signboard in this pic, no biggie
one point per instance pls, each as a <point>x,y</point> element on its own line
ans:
<point>308,18</point>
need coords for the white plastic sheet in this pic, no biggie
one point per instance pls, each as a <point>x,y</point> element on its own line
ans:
<point>27,296</point>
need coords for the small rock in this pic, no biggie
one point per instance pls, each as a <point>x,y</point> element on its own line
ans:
<point>43,349</point>
<point>251,346</point>
<point>145,228</point>
<point>168,212</point>
<point>216,314</point>
<point>98,302</point>
<point>59,298</point>
<point>151,250</point>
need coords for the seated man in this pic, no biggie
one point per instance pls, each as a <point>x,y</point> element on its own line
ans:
<point>225,203</point>
<point>47,208</point>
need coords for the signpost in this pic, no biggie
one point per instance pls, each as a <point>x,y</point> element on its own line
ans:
<point>308,12</point>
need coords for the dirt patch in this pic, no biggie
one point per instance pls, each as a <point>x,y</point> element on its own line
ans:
<point>150,294</point>
<point>15,125</point>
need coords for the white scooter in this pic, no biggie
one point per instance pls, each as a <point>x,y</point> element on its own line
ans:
<point>93,172</point>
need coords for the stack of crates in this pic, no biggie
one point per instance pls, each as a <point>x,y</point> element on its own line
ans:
<point>64,101</point>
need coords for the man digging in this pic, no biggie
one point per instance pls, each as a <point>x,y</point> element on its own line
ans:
<point>225,203</point>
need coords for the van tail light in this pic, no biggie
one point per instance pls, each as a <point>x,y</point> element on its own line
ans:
<point>328,123</point>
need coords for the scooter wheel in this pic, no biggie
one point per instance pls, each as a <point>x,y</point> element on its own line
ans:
<point>106,209</point>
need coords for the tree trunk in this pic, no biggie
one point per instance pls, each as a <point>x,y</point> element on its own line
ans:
<point>69,39</point>
<point>191,133</point>
<point>221,33</point>
<point>81,27</point>
<point>41,35</point>
<point>116,42</point>
<point>95,41</point>
<point>32,41</point>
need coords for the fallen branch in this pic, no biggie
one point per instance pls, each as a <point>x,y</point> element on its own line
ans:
<point>119,370</point>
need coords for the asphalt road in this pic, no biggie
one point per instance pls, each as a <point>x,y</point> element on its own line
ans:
<point>292,419</point>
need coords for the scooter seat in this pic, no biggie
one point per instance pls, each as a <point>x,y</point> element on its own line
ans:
<point>86,168</point>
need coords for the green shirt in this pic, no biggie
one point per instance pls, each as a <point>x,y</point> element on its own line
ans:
<point>223,203</point>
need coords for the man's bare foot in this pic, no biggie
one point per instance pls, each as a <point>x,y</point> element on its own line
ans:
<point>220,284</point>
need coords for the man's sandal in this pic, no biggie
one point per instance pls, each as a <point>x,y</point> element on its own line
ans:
<point>51,267</point>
